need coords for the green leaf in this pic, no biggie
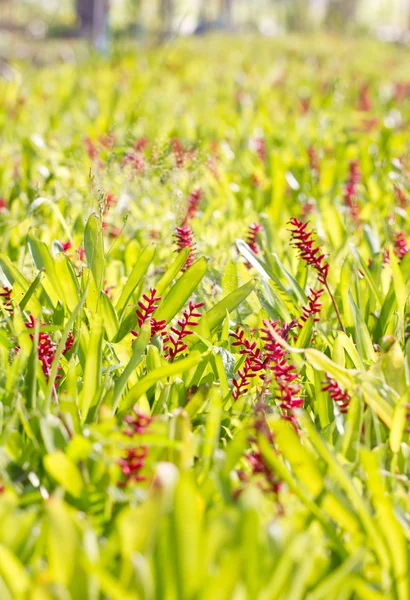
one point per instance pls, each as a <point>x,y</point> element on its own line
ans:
<point>217,313</point>
<point>159,374</point>
<point>172,271</point>
<point>65,472</point>
<point>92,373</point>
<point>94,249</point>
<point>181,291</point>
<point>62,535</point>
<point>109,316</point>
<point>144,260</point>
<point>13,573</point>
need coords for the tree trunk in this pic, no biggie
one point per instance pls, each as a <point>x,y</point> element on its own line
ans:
<point>227,13</point>
<point>85,15</point>
<point>93,15</point>
<point>166,8</point>
<point>341,13</point>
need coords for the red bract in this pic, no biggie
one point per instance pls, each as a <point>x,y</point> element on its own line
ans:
<point>260,148</point>
<point>5,294</point>
<point>66,246</point>
<point>365,102</point>
<point>178,151</point>
<point>284,372</point>
<point>350,190</point>
<point>400,196</point>
<point>141,144</point>
<point>135,160</point>
<point>340,397</point>
<point>174,342</point>
<point>303,241</point>
<point>313,160</point>
<point>400,246</point>
<point>3,204</point>
<point>242,382</point>
<point>313,308</point>
<point>185,239</point>
<point>259,467</point>
<point>145,312</point>
<point>91,149</point>
<point>254,363</point>
<point>252,239</point>
<point>193,204</point>
<point>110,201</point>
<point>134,460</point>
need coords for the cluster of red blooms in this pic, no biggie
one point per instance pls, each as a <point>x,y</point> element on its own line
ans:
<point>5,294</point>
<point>313,160</point>
<point>134,460</point>
<point>178,152</point>
<point>66,246</point>
<point>91,149</point>
<point>260,148</point>
<point>350,189</point>
<point>136,160</point>
<point>193,204</point>
<point>365,101</point>
<point>400,196</point>
<point>174,342</point>
<point>184,238</point>
<point>3,204</point>
<point>252,239</point>
<point>46,347</point>
<point>303,241</point>
<point>401,91</point>
<point>107,140</point>
<point>145,312</point>
<point>339,397</point>
<point>400,247</point>
<point>272,361</point>
<point>284,372</point>
<point>313,308</point>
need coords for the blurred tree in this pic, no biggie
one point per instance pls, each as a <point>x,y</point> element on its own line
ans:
<point>92,15</point>
<point>226,13</point>
<point>340,13</point>
<point>166,14</point>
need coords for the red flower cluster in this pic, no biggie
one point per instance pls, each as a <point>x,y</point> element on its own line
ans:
<point>313,308</point>
<point>193,204</point>
<point>145,312</point>
<point>400,196</point>
<point>91,149</point>
<point>178,152</point>
<point>66,246</point>
<point>313,160</point>
<point>260,148</point>
<point>6,295</point>
<point>340,397</point>
<point>400,245</point>
<point>46,348</point>
<point>134,460</point>
<point>303,241</point>
<point>365,101</point>
<point>136,160</point>
<point>284,372</point>
<point>174,342</point>
<point>141,144</point>
<point>185,239</point>
<point>252,238</point>
<point>350,190</point>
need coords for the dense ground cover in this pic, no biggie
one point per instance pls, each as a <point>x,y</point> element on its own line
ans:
<point>204,357</point>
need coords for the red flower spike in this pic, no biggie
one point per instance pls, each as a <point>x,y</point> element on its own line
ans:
<point>140,144</point>
<point>5,294</point>
<point>178,152</point>
<point>91,149</point>
<point>284,373</point>
<point>174,342</point>
<point>313,160</point>
<point>145,312</point>
<point>339,397</point>
<point>303,241</point>
<point>260,148</point>
<point>185,239</point>
<point>350,190</point>
<point>313,308</point>
<point>400,246</point>
<point>193,204</point>
<point>134,460</point>
<point>66,246</point>
<point>400,196</point>
<point>252,238</point>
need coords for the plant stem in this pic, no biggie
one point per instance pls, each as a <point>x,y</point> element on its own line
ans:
<point>339,317</point>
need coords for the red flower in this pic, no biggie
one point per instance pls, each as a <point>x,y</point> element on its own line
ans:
<point>134,460</point>
<point>145,312</point>
<point>5,294</point>
<point>140,144</point>
<point>400,246</point>
<point>303,241</point>
<point>3,204</point>
<point>340,397</point>
<point>313,160</point>
<point>313,308</point>
<point>91,149</point>
<point>178,152</point>
<point>350,190</point>
<point>66,246</point>
<point>260,148</point>
<point>193,204</point>
<point>252,238</point>
<point>400,196</point>
<point>174,342</point>
<point>185,239</point>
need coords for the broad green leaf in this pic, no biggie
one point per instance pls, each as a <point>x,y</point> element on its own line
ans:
<point>65,472</point>
<point>109,316</point>
<point>181,291</point>
<point>92,373</point>
<point>13,573</point>
<point>217,313</point>
<point>172,271</point>
<point>94,249</point>
<point>144,260</point>
<point>62,536</point>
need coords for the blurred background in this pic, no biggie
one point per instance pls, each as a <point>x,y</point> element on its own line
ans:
<point>101,21</point>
